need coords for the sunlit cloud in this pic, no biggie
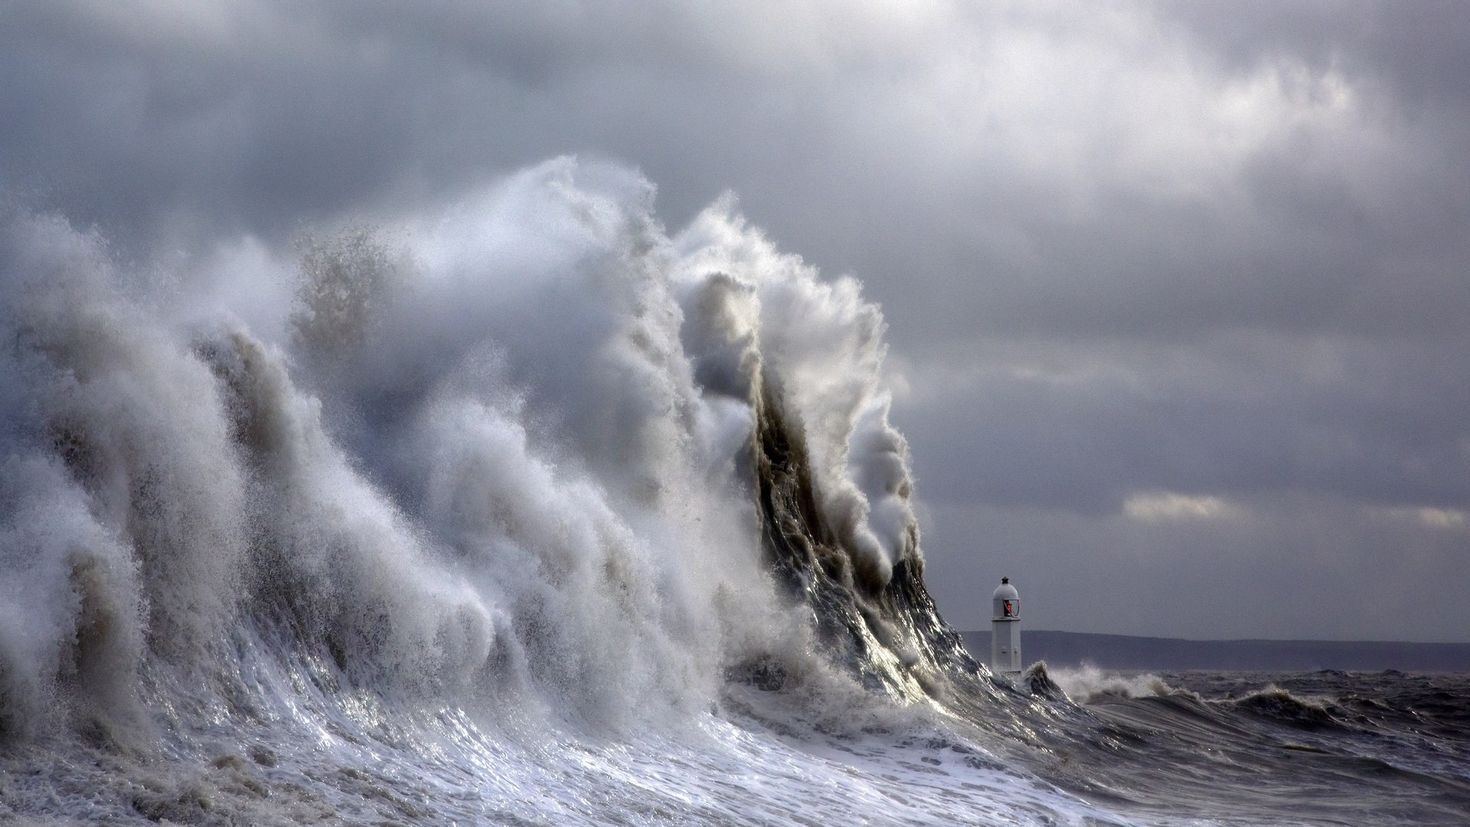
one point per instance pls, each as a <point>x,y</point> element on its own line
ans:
<point>1448,519</point>
<point>1166,506</point>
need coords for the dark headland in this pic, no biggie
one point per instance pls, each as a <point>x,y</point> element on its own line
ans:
<point>1174,654</point>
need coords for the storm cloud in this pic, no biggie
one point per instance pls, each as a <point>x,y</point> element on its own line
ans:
<point>1177,293</point>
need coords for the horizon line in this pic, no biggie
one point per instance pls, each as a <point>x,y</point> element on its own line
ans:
<point>1238,639</point>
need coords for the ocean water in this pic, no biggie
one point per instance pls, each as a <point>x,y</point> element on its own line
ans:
<point>533,511</point>
<point>1324,747</point>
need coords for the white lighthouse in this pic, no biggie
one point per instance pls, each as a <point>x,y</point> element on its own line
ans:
<point>1005,628</point>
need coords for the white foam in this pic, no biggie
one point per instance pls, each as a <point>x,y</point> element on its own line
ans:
<point>1089,683</point>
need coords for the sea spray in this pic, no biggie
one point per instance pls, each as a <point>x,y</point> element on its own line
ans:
<point>515,449</point>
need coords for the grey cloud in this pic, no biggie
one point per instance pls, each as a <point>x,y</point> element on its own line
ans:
<point>253,116</point>
<point>1360,422</point>
<point>1416,50</point>
<point>1295,567</point>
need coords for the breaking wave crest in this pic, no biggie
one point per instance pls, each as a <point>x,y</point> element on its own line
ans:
<point>1279,705</point>
<point>1088,684</point>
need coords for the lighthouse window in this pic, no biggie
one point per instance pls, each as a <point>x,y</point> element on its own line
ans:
<point>1010,609</point>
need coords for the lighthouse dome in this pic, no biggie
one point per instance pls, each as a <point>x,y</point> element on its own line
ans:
<point>1005,590</point>
<point>1006,602</point>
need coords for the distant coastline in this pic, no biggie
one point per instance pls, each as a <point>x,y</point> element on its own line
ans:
<point>1176,654</point>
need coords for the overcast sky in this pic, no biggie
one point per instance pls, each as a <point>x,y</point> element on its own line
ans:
<point>1178,294</point>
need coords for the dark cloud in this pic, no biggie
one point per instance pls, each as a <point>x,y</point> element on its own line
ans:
<point>1203,250</point>
<point>1362,422</point>
<point>1414,52</point>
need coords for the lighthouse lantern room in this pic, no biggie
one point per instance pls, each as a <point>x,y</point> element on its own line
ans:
<point>1005,628</point>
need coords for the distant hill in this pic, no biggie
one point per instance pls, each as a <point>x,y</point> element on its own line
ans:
<point>1173,654</point>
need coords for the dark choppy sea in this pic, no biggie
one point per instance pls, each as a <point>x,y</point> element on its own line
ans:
<point>1324,747</point>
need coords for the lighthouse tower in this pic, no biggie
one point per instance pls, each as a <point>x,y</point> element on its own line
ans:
<point>1005,628</point>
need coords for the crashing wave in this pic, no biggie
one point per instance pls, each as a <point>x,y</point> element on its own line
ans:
<point>534,448</point>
